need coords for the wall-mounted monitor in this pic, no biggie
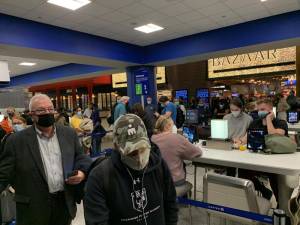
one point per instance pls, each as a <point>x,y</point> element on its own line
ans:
<point>191,116</point>
<point>182,93</point>
<point>202,93</point>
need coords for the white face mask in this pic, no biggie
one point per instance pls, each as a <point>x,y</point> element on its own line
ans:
<point>236,113</point>
<point>149,102</point>
<point>139,162</point>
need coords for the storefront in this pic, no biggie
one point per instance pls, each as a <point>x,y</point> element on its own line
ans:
<point>260,73</point>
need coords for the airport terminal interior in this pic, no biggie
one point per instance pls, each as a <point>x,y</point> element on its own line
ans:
<point>149,112</point>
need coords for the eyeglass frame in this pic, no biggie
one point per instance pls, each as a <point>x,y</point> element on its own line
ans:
<point>43,111</point>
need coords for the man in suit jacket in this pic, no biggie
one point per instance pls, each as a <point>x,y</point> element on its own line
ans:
<point>46,166</point>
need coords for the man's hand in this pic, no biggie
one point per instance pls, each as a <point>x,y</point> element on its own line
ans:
<point>76,179</point>
<point>270,116</point>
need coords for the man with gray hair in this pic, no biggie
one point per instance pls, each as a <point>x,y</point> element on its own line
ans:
<point>46,166</point>
<point>121,107</point>
<point>134,185</point>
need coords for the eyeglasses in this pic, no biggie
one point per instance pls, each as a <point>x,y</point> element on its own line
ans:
<point>43,111</point>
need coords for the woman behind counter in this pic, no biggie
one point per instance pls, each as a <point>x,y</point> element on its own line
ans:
<point>238,120</point>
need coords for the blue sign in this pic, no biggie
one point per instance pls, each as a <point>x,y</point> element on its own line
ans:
<point>141,82</point>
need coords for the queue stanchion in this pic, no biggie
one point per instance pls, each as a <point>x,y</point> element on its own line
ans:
<point>279,217</point>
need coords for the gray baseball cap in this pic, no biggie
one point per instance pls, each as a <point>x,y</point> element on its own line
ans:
<point>130,134</point>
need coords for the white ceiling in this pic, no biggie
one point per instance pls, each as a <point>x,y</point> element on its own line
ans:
<point>15,69</point>
<point>116,19</point>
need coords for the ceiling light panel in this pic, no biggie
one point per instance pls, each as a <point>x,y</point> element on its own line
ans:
<point>70,4</point>
<point>149,28</point>
<point>27,64</point>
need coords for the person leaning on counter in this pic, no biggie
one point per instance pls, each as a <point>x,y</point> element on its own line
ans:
<point>266,121</point>
<point>270,125</point>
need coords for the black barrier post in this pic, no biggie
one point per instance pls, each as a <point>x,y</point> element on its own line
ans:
<point>279,217</point>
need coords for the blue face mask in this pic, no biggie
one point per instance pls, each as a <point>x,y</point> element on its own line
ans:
<point>262,114</point>
<point>79,113</point>
<point>162,105</point>
<point>18,127</point>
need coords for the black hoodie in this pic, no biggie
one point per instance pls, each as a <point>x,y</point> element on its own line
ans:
<point>116,195</point>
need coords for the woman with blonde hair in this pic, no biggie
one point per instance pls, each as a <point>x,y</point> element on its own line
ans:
<point>174,148</point>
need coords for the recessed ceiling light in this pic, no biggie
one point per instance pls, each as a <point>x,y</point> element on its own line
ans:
<point>70,4</point>
<point>149,28</point>
<point>263,0</point>
<point>27,64</point>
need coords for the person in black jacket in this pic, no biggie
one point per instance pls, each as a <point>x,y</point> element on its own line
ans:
<point>46,166</point>
<point>138,110</point>
<point>134,185</point>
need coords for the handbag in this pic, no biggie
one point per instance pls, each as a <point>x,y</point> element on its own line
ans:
<point>279,144</point>
<point>8,206</point>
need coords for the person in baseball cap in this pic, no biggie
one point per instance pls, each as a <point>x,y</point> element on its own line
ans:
<point>131,140</point>
<point>133,185</point>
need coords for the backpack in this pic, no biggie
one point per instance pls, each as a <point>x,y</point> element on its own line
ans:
<point>180,118</point>
<point>7,204</point>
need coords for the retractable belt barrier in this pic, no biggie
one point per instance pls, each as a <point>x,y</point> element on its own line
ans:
<point>227,210</point>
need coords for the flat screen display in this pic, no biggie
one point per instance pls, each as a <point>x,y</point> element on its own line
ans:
<point>219,129</point>
<point>189,133</point>
<point>191,116</point>
<point>183,93</point>
<point>255,139</point>
<point>202,93</point>
<point>292,117</point>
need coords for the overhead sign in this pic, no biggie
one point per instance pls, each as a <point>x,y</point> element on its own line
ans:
<point>119,80</point>
<point>141,78</point>
<point>269,61</point>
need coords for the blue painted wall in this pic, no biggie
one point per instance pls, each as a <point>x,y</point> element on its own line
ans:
<point>26,33</point>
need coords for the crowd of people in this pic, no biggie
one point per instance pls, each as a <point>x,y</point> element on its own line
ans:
<point>45,157</point>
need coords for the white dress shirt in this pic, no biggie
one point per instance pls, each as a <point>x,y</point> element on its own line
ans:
<point>52,161</point>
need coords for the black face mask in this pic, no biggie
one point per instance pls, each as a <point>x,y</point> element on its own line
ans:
<point>46,120</point>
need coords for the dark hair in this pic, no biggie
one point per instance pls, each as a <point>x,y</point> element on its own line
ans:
<point>237,102</point>
<point>138,110</point>
<point>163,99</point>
